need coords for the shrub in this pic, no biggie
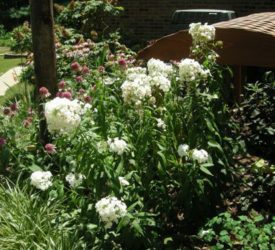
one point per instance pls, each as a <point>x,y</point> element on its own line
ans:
<point>243,232</point>
<point>257,114</point>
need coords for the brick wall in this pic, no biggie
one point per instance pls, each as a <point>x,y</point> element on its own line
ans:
<point>149,19</point>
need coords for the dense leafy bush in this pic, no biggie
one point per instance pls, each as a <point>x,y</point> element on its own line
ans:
<point>96,16</point>
<point>257,114</point>
<point>242,232</point>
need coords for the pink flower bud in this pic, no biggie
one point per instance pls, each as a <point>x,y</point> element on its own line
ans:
<point>85,70</point>
<point>122,62</point>
<point>50,148</point>
<point>87,99</point>
<point>67,95</point>
<point>101,69</point>
<point>79,79</point>
<point>2,141</point>
<point>13,107</point>
<point>81,91</point>
<point>7,111</point>
<point>61,84</point>
<point>75,66</point>
<point>44,92</point>
<point>59,94</point>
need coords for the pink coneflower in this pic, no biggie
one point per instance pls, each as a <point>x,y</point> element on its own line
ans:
<point>61,84</point>
<point>75,66</point>
<point>59,94</point>
<point>67,95</point>
<point>85,70</point>
<point>50,148</point>
<point>122,63</point>
<point>44,92</point>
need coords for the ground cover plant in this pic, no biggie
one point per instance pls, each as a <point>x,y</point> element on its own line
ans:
<point>139,155</point>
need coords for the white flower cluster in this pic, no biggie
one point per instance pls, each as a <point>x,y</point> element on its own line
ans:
<point>183,150</point>
<point>110,209</point>
<point>191,70</point>
<point>156,66</point>
<point>117,145</point>
<point>74,180</point>
<point>202,33</point>
<point>136,89</point>
<point>139,85</point>
<point>161,124</point>
<point>63,115</point>
<point>201,156</point>
<point>41,179</point>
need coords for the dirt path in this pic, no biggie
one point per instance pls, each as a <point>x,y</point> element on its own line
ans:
<point>9,79</point>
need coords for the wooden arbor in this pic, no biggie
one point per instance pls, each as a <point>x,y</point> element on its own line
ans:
<point>247,41</point>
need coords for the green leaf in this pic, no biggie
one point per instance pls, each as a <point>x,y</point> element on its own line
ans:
<point>205,170</point>
<point>34,168</point>
<point>137,227</point>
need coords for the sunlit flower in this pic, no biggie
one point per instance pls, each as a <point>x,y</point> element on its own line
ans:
<point>41,179</point>
<point>117,145</point>
<point>123,181</point>
<point>50,148</point>
<point>44,92</point>
<point>161,123</point>
<point>110,209</point>
<point>156,66</point>
<point>202,33</point>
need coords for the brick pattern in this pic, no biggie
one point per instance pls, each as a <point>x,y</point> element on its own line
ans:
<point>150,19</point>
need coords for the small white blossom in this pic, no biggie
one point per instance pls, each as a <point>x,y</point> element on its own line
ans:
<point>74,180</point>
<point>191,70</point>
<point>123,181</point>
<point>202,33</point>
<point>41,179</point>
<point>183,150</point>
<point>156,66</point>
<point>110,209</point>
<point>117,145</point>
<point>161,123</point>
<point>201,156</point>
<point>160,81</point>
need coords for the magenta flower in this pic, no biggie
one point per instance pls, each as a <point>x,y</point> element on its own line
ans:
<point>85,70</point>
<point>79,79</point>
<point>61,84</point>
<point>87,99</point>
<point>44,92</point>
<point>67,95</point>
<point>50,148</point>
<point>122,62</point>
<point>75,66</point>
<point>13,107</point>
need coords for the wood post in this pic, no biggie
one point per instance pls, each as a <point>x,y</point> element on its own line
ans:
<point>239,78</point>
<point>44,54</point>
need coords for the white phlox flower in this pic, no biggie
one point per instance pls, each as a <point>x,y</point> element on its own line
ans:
<point>63,115</point>
<point>41,179</point>
<point>117,145</point>
<point>160,81</point>
<point>191,70</point>
<point>74,180</point>
<point>201,156</point>
<point>202,33</point>
<point>110,209</point>
<point>161,124</point>
<point>156,66</point>
<point>183,150</point>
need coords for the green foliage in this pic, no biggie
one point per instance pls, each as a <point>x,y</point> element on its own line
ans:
<point>27,222</point>
<point>22,40</point>
<point>257,114</point>
<point>90,15</point>
<point>242,232</point>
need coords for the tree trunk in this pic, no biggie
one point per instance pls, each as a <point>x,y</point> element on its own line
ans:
<point>44,54</point>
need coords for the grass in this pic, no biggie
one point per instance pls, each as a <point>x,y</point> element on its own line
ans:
<point>6,64</point>
<point>28,222</point>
